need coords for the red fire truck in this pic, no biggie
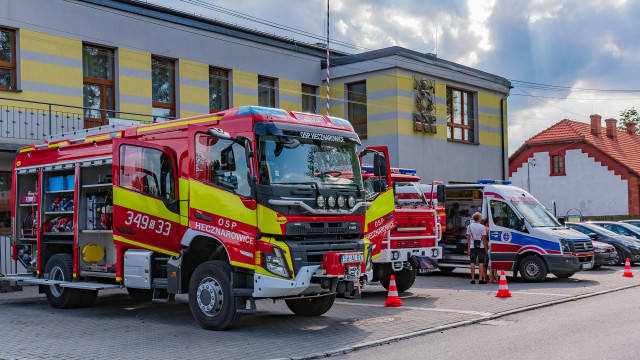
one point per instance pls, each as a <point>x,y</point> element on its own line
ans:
<point>231,207</point>
<point>415,231</point>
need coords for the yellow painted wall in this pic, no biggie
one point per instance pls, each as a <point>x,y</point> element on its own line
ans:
<point>191,94</point>
<point>245,80</point>
<point>130,85</point>
<point>290,88</point>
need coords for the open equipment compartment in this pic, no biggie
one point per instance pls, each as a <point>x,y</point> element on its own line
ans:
<point>95,248</point>
<point>26,219</point>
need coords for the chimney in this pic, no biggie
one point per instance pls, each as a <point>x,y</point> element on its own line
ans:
<point>595,124</point>
<point>631,128</point>
<point>612,132</point>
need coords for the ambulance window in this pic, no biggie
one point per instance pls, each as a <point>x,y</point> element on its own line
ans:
<point>147,171</point>
<point>222,163</point>
<point>503,215</point>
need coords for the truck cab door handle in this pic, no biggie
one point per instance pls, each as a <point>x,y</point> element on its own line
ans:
<point>203,217</point>
<point>126,231</point>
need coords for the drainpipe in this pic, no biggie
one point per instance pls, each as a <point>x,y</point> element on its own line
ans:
<point>504,170</point>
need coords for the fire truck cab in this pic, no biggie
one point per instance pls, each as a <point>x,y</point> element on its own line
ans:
<point>415,231</point>
<point>245,204</point>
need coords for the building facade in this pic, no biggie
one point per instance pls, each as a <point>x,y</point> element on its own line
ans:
<point>71,65</point>
<point>585,168</point>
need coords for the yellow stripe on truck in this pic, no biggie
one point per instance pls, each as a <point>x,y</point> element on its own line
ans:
<point>219,202</point>
<point>145,246</point>
<point>142,203</point>
<point>382,205</point>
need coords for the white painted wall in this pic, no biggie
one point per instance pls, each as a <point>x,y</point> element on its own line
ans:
<point>588,186</point>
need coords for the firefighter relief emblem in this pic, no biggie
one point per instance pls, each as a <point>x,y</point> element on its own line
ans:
<point>423,120</point>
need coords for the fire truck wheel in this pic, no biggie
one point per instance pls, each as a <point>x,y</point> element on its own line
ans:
<point>533,269</point>
<point>87,297</point>
<point>210,299</point>
<point>313,306</point>
<point>140,294</point>
<point>404,279</point>
<point>60,267</point>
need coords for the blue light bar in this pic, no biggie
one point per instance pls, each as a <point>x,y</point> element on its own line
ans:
<point>407,171</point>
<point>259,110</point>
<point>486,181</point>
<point>367,168</point>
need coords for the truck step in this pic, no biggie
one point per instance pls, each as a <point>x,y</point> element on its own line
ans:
<point>160,283</point>
<point>243,292</point>
<point>162,295</point>
<point>241,306</point>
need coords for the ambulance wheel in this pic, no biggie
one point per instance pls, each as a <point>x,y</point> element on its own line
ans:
<point>404,279</point>
<point>446,269</point>
<point>533,269</point>
<point>210,298</point>
<point>313,306</point>
<point>60,267</point>
<point>564,276</point>
<point>140,294</point>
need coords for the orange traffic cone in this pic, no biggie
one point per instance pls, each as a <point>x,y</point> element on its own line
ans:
<point>627,269</point>
<point>393,300</point>
<point>503,289</point>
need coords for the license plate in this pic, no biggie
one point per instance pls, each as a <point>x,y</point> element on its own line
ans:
<point>351,258</point>
<point>586,266</point>
<point>352,272</point>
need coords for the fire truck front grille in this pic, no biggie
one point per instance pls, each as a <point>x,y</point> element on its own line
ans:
<point>311,252</point>
<point>402,244</point>
<point>581,246</point>
<point>322,228</point>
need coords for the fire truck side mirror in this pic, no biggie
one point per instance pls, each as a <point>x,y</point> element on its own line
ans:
<point>379,165</point>
<point>220,134</point>
<point>442,194</point>
<point>379,186</point>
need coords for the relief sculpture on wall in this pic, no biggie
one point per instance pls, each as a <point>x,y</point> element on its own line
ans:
<point>424,118</point>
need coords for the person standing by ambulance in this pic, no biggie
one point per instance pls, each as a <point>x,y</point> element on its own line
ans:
<point>476,238</point>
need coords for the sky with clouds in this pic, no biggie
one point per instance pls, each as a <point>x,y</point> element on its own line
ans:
<point>587,49</point>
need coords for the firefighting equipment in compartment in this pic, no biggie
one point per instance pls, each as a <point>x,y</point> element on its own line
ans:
<point>100,211</point>
<point>29,227</point>
<point>58,224</point>
<point>62,203</point>
<point>92,253</point>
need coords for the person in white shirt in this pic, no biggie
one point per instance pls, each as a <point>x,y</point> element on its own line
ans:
<point>476,238</point>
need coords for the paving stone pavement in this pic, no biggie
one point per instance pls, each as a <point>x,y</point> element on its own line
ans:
<point>116,327</point>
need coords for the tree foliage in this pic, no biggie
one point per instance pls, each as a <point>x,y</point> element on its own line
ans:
<point>629,116</point>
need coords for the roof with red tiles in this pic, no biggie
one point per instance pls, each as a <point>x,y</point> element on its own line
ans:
<point>624,148</point>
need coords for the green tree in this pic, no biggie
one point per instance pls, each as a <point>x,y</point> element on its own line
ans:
<point>629,116</point>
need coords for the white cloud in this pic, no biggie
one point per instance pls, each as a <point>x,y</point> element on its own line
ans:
<point>342,26</point>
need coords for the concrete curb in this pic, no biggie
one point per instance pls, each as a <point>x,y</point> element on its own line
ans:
<point>392,339</point>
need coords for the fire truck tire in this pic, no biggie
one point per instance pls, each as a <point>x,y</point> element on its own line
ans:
<point>140,294</point>
<point>404,279</point>
<point>314,306</point>
<point>60,267</point>
<point>533,269</point>
<point>87,297</point>
<point>210,298</point>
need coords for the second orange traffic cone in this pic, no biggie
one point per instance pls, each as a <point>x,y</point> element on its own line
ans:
<point>393,300</point>
<point>627,269</point>
<point>503,289</point>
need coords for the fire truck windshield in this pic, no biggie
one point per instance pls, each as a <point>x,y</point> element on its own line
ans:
<point>535,213</point>
<point>408,194</point>
<point>319,162</point>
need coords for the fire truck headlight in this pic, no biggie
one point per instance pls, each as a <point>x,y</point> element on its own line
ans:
<point>395,255</point>
<point>276,263</point>
<point>340,201</point>
<point>351,201</point>
<point>331,201</point>
<point>320,201</point>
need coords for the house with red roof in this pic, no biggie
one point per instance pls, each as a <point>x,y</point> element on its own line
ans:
<point>581,167</point>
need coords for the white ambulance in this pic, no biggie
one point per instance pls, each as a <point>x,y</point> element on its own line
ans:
<point>524,236</point>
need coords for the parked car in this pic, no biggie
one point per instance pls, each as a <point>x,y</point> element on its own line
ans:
<point>605,254</point>
<point>634,222</point>
<point>620,228</point>
<point>626,246</point>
